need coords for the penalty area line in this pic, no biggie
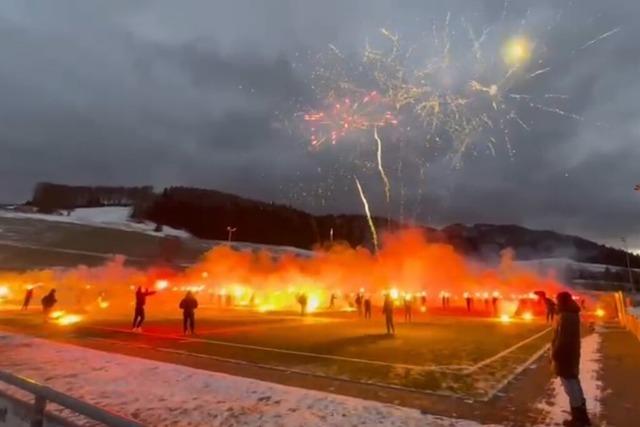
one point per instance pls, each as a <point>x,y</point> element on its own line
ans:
<point>505,352</point>
<point>453,369</point>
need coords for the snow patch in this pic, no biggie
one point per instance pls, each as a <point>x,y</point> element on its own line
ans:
<point>162,394</point>
<point>116,217</point>
<point>556,404</point>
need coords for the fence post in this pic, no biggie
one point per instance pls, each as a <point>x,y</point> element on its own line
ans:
<point>37,419</point>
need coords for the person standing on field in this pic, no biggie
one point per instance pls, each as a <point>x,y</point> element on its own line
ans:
<point>565,357</point>
<point>188,306</point>
<point>387,310</point>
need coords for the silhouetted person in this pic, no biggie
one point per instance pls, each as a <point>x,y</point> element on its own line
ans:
<point>141,301</point>
<point>565,355</point>
<point>48,301</point>
<point>444,301</point>
<point>468,300</point>
<point>387,310</point>
<point>359,304</point>
<point>494,303</point>
<point>423,300</point>
<point>27,298</point>
<point>551,309</point>
<point>188,306</point>
<point>302,300</point>
<point>367,308</point>
<point>408,309</point>
<point>486,304</point>
<point>332,301</point>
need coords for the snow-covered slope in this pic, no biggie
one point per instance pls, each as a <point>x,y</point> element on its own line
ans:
<point>110,217</point>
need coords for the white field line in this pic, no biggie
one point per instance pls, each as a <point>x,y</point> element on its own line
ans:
<point>454,369</point>
<point>515,373</point>
<point>282,369</point>
<point>505,352</point>
<point>439,368</point>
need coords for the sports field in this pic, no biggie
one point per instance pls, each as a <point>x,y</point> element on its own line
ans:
<point>464,356</point>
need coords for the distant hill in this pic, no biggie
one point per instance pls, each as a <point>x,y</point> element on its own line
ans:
<point>207,213</point>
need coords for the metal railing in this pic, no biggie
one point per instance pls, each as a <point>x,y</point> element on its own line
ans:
<point>44,394</point>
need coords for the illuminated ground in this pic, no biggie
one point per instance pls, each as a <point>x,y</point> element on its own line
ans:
<point>442,354</point>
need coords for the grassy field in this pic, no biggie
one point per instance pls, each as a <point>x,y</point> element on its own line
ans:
<point>449,355</point>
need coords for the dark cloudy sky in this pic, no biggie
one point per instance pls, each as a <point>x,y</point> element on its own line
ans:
<point>190,93</point>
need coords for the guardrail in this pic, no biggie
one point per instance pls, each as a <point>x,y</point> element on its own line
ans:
<point>628,320</point>
<point>44,394</point>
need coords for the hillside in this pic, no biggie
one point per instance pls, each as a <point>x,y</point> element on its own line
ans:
<point>206,214</point>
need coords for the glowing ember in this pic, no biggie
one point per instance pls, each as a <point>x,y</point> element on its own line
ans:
<point>68,319</point>
<point>161,284</point>
<point>505,318</point>
<point>527,316</point>
<point>600,312</point>
<point>57,314</point>
<point>423,309</point>
<point>4,292</point>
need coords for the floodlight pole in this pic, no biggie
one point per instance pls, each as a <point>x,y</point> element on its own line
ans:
<point>230,232</point>
<point>626,252</point>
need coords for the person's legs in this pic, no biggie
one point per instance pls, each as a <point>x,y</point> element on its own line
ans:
<point>140,318</point>
<point>577,401</point>
<point>192,322</point>
<point>185,325</point>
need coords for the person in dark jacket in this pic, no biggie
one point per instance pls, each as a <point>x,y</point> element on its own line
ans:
<point>565,356</point>
<point>367,307</point>
<point>27,298</point>
<point>48,301</point>
<point>302,300</point>
<point>188,306</point>
<point>468,300</point>
<point>408,308</point>
<point>358,301</point>
<point>387,310</point>
<point>551,309</point>
<point>141,301</point>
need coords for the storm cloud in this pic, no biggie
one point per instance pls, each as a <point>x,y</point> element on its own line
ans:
<point>196,92</point>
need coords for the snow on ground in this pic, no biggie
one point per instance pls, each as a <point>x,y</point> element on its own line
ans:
<point>109,217</point>
<point>556,404</point>
<point>117,217</point>
<point>559,265</point>
<point>162,394</point>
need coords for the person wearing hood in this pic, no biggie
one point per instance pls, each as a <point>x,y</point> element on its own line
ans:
<point>565,356</point>
<point>188,306</point>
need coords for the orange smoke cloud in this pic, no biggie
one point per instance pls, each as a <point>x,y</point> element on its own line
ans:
<point>406,262</point>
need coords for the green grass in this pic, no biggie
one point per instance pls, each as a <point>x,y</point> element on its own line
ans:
<point>448,347</point>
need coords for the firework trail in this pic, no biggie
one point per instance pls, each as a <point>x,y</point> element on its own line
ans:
<point>537,73</point>
<point>383,175</point>
<point>600,37</point>
<point>365,204</point>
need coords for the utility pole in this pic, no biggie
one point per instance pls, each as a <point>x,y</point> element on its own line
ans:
<point>230,230</point>
<point>626,252</point>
